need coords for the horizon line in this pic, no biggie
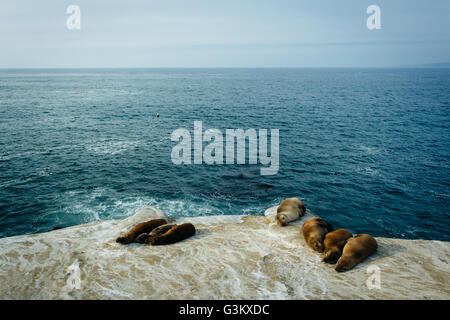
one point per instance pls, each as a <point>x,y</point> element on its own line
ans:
<point>418,66</point>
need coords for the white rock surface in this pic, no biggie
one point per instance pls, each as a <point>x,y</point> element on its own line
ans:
<point>230,257</point>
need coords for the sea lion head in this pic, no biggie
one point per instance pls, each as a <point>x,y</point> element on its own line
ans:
<point>281,219</point>
<point>331,256</point>
<point>126,239</point>
<point>302,208</point>
<point>344,265</point>
<point>318,246</point>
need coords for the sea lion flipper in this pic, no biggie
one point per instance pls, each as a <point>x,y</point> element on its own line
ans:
<point>162,229</point>
<point>142,238</point>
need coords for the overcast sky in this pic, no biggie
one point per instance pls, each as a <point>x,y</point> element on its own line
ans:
<point>210,33</point>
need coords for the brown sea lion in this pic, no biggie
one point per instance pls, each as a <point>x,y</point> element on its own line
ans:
<point>314,230</point>
<point>290,209</point>
<point>155,232</point>
<point>143,227</point>
<point>356,249</point>
<point>175,234</point>
<point>334,242</point>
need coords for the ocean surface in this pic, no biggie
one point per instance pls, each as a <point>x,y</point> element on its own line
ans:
<point>366,149</point>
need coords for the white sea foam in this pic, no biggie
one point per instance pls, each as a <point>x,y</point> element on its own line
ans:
<point>211,219</point>
<point>370,150</point>
<point>26,154</point>
<point>105,147</point>
<point>369,171</point>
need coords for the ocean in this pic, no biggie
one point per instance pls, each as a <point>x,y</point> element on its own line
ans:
<point>366,149</point>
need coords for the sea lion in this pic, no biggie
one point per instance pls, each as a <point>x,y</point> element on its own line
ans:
<point>314,230</point>
<point>175,234</point>
<point>143,227</point>
<point>334,242</point>
<point>155,232</point>
<point>356,249</point>
<point>290,209</point>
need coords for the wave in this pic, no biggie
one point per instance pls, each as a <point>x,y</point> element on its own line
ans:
<point>81,206</point>
<point>105,147</point>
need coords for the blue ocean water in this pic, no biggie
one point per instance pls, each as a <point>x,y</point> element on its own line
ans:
<point>366,149</point>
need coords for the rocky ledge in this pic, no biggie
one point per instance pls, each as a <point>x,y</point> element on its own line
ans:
<point>230,257</point>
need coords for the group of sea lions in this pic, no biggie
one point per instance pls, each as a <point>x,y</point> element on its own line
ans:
<point>339,246</point>
<point>157,232</point>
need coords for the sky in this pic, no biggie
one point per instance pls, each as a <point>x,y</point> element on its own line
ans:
<point>211,33</point>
